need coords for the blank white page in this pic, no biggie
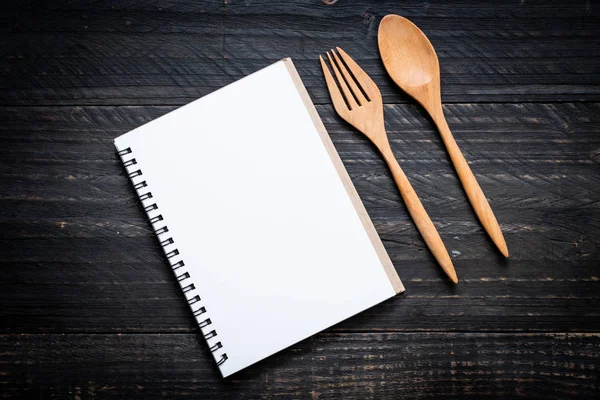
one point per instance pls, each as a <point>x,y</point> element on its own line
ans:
<point>275,242</point>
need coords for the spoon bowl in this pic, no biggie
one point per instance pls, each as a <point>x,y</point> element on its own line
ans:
<point>410,54</point>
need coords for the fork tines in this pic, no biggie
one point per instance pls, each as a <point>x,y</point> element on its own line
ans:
<point>353,87</point>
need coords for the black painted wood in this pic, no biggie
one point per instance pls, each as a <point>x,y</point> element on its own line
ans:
<point>326,366</point>
<point>89,308</point>
<point>153,52</point>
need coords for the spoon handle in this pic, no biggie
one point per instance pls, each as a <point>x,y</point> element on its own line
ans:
<point>474,193</point>
<point>419,216</point>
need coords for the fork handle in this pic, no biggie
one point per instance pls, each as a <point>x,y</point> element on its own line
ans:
<point>420,217</point>
<point>473,190</point>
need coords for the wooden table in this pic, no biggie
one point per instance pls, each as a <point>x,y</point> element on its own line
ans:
<point>89,308</point>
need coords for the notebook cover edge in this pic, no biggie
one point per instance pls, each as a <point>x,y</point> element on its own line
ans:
<point>384,258</point>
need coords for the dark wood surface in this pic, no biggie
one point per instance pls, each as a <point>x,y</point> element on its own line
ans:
<point>89,308</point>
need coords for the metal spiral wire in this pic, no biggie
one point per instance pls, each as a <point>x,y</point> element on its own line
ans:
<point>173,255</point>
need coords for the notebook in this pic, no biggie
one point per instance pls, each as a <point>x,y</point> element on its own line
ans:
<point>257,216</point>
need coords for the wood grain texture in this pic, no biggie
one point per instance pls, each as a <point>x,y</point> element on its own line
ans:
<point>154,53</point>
<point>66,206</point>
<point>88,306</point>
<point>326,366</point>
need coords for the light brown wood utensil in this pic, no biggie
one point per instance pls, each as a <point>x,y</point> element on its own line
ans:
<point>412,63</point>
<point>359,103</point>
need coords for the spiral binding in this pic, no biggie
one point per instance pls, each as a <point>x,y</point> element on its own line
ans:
<point>182,275</point>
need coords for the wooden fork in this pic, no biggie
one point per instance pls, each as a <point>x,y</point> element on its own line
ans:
<point>359,102</point>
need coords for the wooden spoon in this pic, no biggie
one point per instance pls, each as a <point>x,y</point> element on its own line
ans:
<point>412,63</point>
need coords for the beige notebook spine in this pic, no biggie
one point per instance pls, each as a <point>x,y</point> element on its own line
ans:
<point>343,174</point>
